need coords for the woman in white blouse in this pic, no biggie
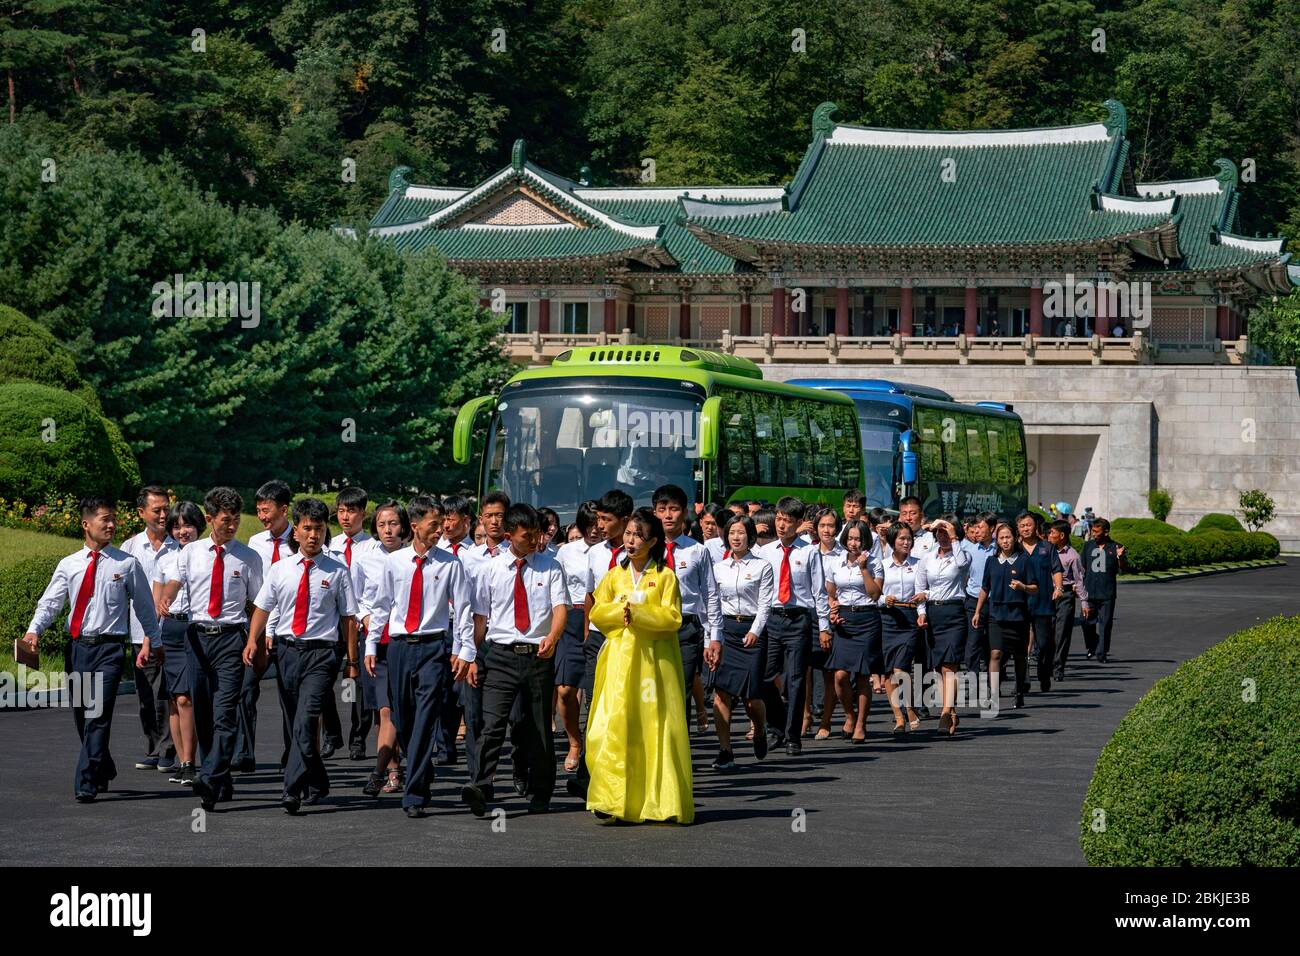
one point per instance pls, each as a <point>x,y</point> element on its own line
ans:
<point>941,574</point>
<point>856,651</point>
<point>826,528</point>
<point>902,610</point>
<point>570,660</point>
<point>746,587</point>
<point>185,522</point>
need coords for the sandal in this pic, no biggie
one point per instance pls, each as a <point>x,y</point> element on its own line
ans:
<point>571,762</point>
<point>914,724</point>
<point>396,781</point>
<point>823,734</point>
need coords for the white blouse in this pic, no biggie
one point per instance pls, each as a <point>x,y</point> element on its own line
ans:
<point>942,575</point>
<point>900,581</point>
<point>573,562</point>
<point>746,586</point>
<point>850,591</point>
<point>164,571</point>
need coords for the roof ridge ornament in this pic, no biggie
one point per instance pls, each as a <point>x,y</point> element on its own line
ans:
<point>519,155</point>
<point>397,178</point>
<point>1227,173</point>
<point>823,121</point>
<point>1116,121</point>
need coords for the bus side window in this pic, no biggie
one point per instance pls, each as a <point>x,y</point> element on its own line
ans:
<point>821,434</point>
<point>799,468</point>
<point>929,431</point>
<point>847,445</point>
<point>1015,453</point>
<point>954,451</point>
<point>976,448</point>
<point>737,451</point>
<point>997,453</point>
<point>768,439</point>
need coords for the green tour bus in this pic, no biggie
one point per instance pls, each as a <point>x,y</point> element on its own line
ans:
<point>634,417</point>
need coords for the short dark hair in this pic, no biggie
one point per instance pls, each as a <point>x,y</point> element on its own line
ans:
<point>520,516</point>
<point>817,519</point>
<point>616,502</point>
<point>352,497</point>
<point>894,530</point>
<point>312,508</point>
<point>402,517</point>
<point>878,516</point>
<point>222,498</point>
<point>763,516</point>
<point>91,504</point>
<point>990,519</point>
<point>668,494</point>
<point>185,512</point>
<point>651,527</point>
<point>751,530</point>
<point>274,490</point>
<point>459,505</point>
<point>142,499</point>
<point>421,505</point>
<point>1101,523</point>
<point>494,498</point>
<point>855,496</point>
<point>585,518</point>
<point>1061,526</point>
<point>791,507</point>
<point>908,500</point>
<point>1027,514</point>
<point>863,532</point>
<point>547,516</point>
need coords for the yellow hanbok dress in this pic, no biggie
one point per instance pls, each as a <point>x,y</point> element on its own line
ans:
<point>638,745</point>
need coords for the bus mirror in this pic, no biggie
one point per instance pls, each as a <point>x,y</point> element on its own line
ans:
<point>710,419</point>
<point>909,467</point>
<point>463,433</point>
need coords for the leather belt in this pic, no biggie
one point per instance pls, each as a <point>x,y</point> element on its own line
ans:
<point>522,648</point>
<point>96,640</point>
<point>213,630</point>
<point>427,638</point>
<point>945,603</point>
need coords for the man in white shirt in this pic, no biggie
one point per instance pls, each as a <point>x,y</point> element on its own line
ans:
<point>147,547</point>
<point>349,547</point>
<point>221,576</point>
<point>910,514</point>
<point>424,598</point>
<point>311,593</point>
<point>520,606</point>
<point>272,543</point>
<point>457,523</point>
<point>104,586</point>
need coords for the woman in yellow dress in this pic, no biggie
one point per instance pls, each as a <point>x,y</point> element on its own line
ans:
<point>638,747</point>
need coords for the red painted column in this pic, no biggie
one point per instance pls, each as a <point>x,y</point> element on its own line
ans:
<point>630,324</point>
<point>1036,310</point>
<point>684,319</point>
<point>746,320</point>
<point>778,310</point>
<point>972,310</point>
<point>793,323</point>
<point>544,316</point>
<point>1101,326</point>
<point>842,311</point>
<point>905,311</point>
<point>484,303</point>
<point>611,316</point>
<point>1221,321</point>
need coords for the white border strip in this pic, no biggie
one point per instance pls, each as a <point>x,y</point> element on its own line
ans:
<point>1142,207</point>
<point>433,192</point>
<point>870,136</point>
<point>1254,245</point>
<point>664,193</point>
<point>1183,187</point>
<point>531,227</point>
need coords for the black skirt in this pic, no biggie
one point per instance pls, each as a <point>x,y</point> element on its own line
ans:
<point>374,690</point>
<point>740,674</point>
<point>177,676</point>
<point>948,625</point>
<point>899,636</point>
<point>856,644</point>
<point>1011,637</point>
<point>570,661</point>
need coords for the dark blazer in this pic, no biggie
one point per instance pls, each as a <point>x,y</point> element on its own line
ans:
<point>1003,603</point>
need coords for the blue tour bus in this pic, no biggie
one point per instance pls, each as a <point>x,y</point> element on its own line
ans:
<point>917,441</point>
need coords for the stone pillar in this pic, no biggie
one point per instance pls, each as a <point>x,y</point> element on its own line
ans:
<point>972,311</point>
<point>1101,322</point>
<point>1221,321</point>
<point>631,317</point>
<point>611,316</point>
<point>684,318</point>
<point>842,311</point>
<point>905,310</point>
<point>544,315</point>
<point>746,319</point>
<point>778,310</point>
<point>1036,308</point>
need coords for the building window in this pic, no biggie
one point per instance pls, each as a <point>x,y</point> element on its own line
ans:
<point>516,318</point>
<point>574,318</point>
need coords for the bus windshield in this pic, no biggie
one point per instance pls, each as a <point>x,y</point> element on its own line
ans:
<point>558,443</point>
<point>879,454</point>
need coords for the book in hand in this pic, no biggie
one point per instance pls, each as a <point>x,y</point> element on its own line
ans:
<point>24,655</point>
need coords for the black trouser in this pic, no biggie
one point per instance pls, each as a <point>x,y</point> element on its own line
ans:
<point>1064,630</point>
<point>977,638</point>
<point>419,677</point>
<point>472,703</point>
<point>1045,648</point>
<point>690,638</point>
<point>218,666</point>
<point>363,718</point>
<point>153,708</point>
<point>246,733</point>
<point>331,729</point>
<point>449,723</point>
<point>98,671</point>
<point>1102,619</point>
<point>787,657</point>
<point>315,667</point>
<point>506,676</point>
<point>284,679</point>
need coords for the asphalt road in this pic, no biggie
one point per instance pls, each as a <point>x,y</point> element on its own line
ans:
<point>1006,792</point>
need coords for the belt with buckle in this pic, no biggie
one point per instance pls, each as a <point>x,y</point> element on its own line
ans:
<point>96,640</point>
<point>945,603</point>
<point>183,618</point>
<point>740,618</point>
<point>523,648</point>
<point>857,607</point>
<point>426,638</point>
<point>791,611</point>
<point>213,630</point>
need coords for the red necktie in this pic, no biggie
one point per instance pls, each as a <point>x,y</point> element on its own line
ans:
<point>492,551</point>
<point>726,554</point>
<point>347,552</point>
<point>83,596</point>
<point>613,557</point>
<point>214,592</point>
<point>416,602</point>
<point>301,602</point>
<point>669,548</point>
<point>522,622</point>
<point>783,593</point>
<point>275,553</point>
<point>384,638</point>
<point>455,549</point>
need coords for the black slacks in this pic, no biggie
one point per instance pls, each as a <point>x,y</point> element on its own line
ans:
<point>506,676</point>
<point>977,638</point>
<point>419,677</point>
<point>1045,648</point>
<point>1064,629</point>
<point>788,641</point>
<point>218,666</point>
<point>1096,629</point>
<point>149,685</point>
<point>315,667</point>
<point>97,670</point>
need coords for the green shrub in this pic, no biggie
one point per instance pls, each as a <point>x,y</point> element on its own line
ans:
<point>1256,507</point>
<point>1144,526</point>
<point>1205,770</point>
<point>126,463</point>
<point>21,585</point>
<point>1160,502</point>
<point>29,353</point>
<point>81,460</point>
<point>1217,522</point>
<point>1145,553</point>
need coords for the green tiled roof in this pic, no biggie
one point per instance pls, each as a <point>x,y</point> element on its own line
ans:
<point>691,254</point>
<point>398,208</point>
<point>505,243</point>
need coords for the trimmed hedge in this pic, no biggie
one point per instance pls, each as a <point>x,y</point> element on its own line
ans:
<point>29,353</point>
<point>1145,553</point>
<point>21,586</point>
<point>1217,522</point>
<point>1144,526</point>
<point>1205,770</point>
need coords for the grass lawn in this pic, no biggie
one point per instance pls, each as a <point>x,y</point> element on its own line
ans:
<point>17,544</point>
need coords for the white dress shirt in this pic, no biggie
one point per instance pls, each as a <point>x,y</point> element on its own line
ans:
<point>746,586</point>
<point>264,544</point>
<point>572,558</point>
<point>120,587</point>
<point>362,544</point>
<point>371,577</point>
<point>477,555</point>
<point>494,596</point>
<point>923,543</point>
<point>141,548</point>
<point>716,546</point>
<point>850,589</point>
<point>598,556</point>
<point>695,582</point>
<point>460,547</point>
<point>942,574</point>
<point>241,579</point>
<point>164,571</point>
<point>900,581</point>
<point>446,597</point>
<point>807,580</point>
<point>329,595</point>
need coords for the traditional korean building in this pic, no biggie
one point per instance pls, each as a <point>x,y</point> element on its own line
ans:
<point>886,246</point>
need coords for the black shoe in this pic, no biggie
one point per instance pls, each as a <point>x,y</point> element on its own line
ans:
<point>247,765</point>
<point>539,806</point>
<point>187,775</point>
<point>1019,702</point>
<point>168,765</point>
<point>775,738</point>
<point>314,797</point>
<point>724,761</point>
<point>203,790</point>
<point>414,813</point>
<point>521,786</point>
<point>1044,686</point>
<point>793,748</point>
<point>604,818</point>
<point>1090,655</point>
<point>374,784</point>
<point>449,760</point>
<point>1058,676</point>
<point>1102,659</point>
<point>85,796</point>
<point>329,748</point>
<point>291,805</point>
<point>147,763</point>
<point>760,746</point>
<point>575,788</point>
<point>357,752</point>
<point>473,796</point>
<point>179,775</point>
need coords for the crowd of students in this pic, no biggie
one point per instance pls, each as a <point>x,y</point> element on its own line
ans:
<point>463,627</point>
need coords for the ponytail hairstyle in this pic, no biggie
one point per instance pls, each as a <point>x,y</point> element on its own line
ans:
<point>651,527</point>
